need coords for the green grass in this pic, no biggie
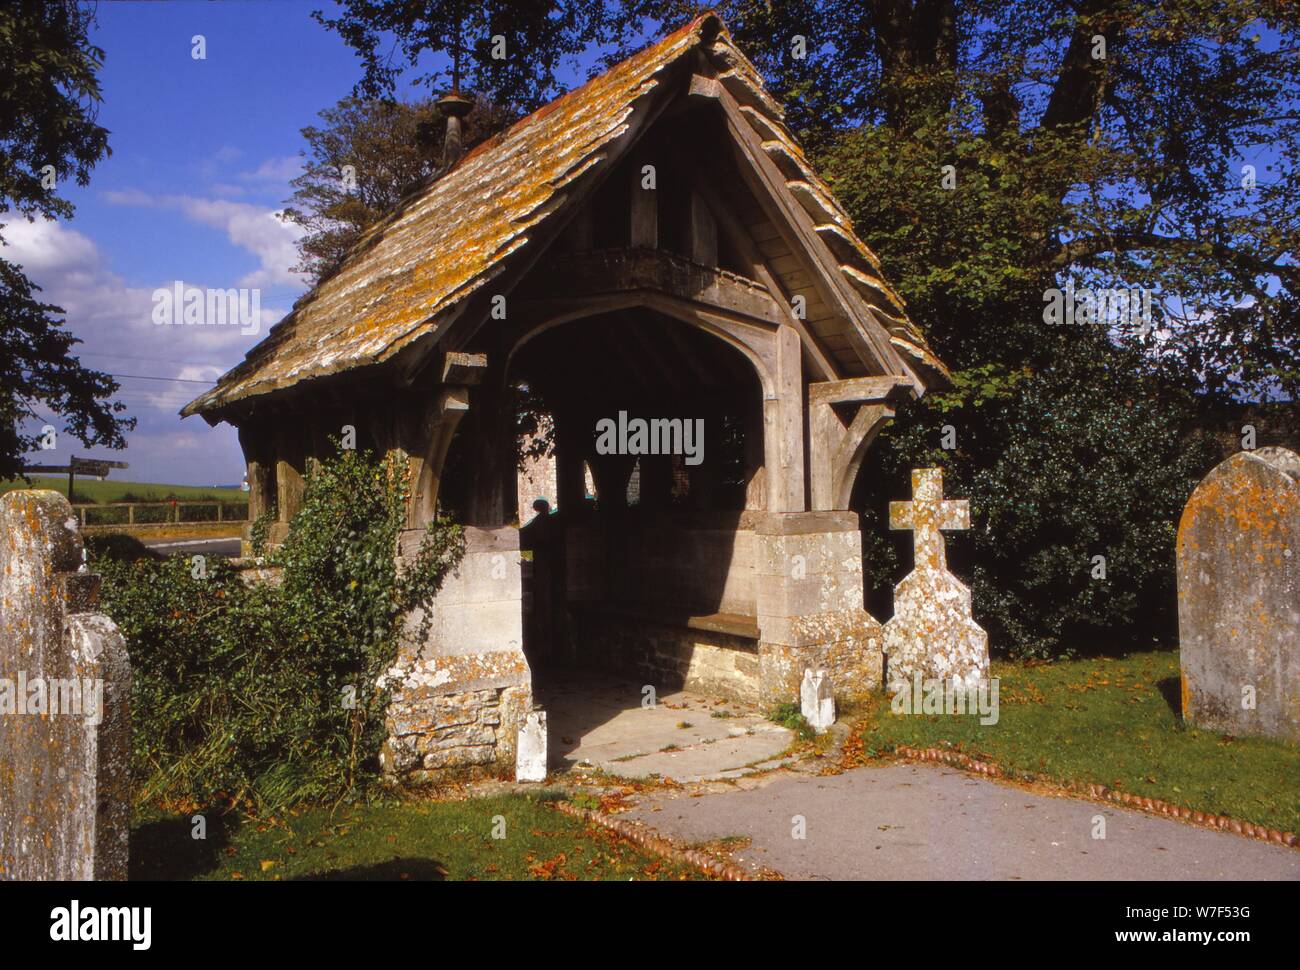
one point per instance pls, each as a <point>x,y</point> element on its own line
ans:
<point>1113,722</point>
<point>412,840</point>
<point>90,490</point>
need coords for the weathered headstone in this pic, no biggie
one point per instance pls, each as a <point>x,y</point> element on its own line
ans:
<point>932,631</point>
<point>1239,596</point>
<point>64,692</point>
<point>816,701</point>
<point>530,758</point>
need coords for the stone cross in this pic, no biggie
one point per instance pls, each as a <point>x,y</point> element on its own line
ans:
<point>926,514</point>
<point>932,632</point>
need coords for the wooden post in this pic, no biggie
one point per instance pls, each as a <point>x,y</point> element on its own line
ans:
<point>704,232</point>
<point>783,428</point>
<point>289,459</point>
<point>645,211</point>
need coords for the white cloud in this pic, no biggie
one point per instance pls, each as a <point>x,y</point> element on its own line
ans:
<point>114,321</point>
<point>254,228</point>
<point>281,169</point>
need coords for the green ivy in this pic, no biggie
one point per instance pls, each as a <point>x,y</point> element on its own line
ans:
<point>265,694</point>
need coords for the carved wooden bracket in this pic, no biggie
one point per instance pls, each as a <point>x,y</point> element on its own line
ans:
<point>844,418</point>
<point>426,472</point>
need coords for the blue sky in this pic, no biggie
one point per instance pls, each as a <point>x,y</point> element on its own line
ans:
<point>202,155</point>
<point>203,151</point>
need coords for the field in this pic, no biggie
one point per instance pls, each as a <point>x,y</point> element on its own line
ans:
<point>90,490</point>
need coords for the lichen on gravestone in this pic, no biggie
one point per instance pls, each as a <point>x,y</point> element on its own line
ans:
<point>64,695</point>
<point>932,630</point>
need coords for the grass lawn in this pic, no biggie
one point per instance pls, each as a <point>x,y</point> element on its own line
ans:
<point>397,840</point>
<point>1115,722</point>
<point>90,490</point>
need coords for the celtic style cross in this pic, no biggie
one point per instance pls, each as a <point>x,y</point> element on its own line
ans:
<point>926,514</point>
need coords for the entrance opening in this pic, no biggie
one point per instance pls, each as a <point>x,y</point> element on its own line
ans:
<point>647,570</point>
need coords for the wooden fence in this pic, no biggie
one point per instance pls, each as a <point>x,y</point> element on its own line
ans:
<point>143,518</point>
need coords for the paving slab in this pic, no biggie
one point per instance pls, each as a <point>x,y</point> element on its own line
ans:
<point>600,721</point>
<point>925,822</point>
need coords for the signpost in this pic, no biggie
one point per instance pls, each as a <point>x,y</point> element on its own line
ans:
<point>92,467</point>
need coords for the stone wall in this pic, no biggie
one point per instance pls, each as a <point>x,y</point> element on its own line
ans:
<point>65,683</point>
<point>461,686</point>
<point>668,656</point>
<point>810,605</point>
<point>687,563</point>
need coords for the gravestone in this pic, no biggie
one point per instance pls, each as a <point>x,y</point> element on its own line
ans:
<point>530,752</point>
<point>932,631</point>
<point>816,702</point>
<point>64,692</point>
<point>1239,596</point>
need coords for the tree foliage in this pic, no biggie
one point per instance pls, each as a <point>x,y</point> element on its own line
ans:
<point>264,695</point>
<point>509,52</point>
<point>363,158</point>
<point>49,90</point>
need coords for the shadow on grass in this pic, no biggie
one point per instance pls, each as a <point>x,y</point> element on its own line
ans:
<point>165,848</point>
<point>396,870</point>
<point>1171,689</point>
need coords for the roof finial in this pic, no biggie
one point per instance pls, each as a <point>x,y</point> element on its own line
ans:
<point>454,106</point>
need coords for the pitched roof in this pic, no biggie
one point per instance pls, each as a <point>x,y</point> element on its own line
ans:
<point>413,272</point>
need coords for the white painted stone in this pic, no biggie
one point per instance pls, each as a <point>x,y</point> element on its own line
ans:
<point>816,702</point>
<point>530,757</point>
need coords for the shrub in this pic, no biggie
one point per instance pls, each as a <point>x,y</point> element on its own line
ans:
<point>266,695</point>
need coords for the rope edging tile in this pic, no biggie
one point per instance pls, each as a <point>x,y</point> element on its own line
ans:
<point>647,838</point>
<point>1155,806</point>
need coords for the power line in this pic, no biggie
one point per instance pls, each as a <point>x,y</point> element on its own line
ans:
<point>176,380</point>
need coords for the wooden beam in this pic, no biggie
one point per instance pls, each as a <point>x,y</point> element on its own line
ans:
<point>819,362</point>
<point>460,368</point>
<point>859,389</point>
<point>704,232</point>
<point>450,406</point>
<point>783,438</point>
<point>836,450</point>
<point>869,339</point>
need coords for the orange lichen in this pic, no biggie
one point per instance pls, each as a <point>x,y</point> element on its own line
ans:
<point>409,274</point>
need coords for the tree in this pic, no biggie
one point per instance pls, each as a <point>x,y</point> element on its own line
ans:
<point>48,134</point>
<point>508,51</point>
<point>361,161</point>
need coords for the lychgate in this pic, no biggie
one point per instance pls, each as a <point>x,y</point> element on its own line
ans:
<point>651,246</point>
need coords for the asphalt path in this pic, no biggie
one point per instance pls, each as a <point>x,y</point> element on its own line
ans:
<point>913,821</point>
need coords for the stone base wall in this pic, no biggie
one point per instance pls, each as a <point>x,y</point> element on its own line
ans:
<point>430,732</point>
<point>810,606</point>
<point>462,688</point>
<point>669,657</point>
